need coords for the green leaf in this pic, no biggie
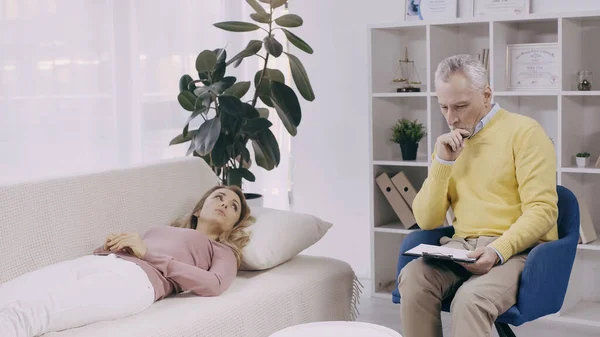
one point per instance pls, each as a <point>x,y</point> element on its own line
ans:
<point>184,83</point>
<point>236,26</point>
<point>289,20</point>
<point>220,156</point>
<point>255,126</point>
<point>263,112</point>
<point>260,17</point>
<point>187,100</point>
<point>231,105</point>
<point>287,106</point>
<point>246,174</point>
<point>257,7</point>
<point>266,150</point>
<point>249,111</point>
<point>272,74</point>
<point>246,155</point>
<point>296,41</point>
<point>273,46</point>
<point>238,90</point>
<point>182,139</point>
<point>206,61</point>
<point>221,54</point>
<point>206,158</point>
<point>253,47</point>
<point>264,92</point>
<point>301,78</point>
<point>195,114</point>
<point>207,136</point>
<point>219,72</point>
<point>222,85</point>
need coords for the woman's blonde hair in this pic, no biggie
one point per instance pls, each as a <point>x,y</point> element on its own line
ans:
<point>237,238</point>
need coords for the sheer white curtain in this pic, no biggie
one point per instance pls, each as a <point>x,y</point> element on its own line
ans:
<point>87,85</point>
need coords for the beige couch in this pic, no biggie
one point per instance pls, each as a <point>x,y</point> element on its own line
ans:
<point>49,221</point>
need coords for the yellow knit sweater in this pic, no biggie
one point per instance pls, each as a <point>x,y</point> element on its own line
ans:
<point>503,184</point>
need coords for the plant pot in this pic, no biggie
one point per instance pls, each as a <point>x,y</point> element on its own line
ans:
<point>254,199</point>
<point>409,150</point>
<point>582,161</point>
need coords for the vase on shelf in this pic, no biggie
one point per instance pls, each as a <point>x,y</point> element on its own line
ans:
<point>409,150</point>
<point>582,161</point>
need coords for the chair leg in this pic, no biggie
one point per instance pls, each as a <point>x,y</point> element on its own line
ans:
<point>504,330</point>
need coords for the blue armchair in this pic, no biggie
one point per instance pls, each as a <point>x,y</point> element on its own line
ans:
<point>544,279</point>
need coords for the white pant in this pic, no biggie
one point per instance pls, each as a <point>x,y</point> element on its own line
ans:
<point>71,294</point>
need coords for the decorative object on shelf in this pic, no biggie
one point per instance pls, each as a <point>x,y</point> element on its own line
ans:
<point>582,159</point>
<point>597,163</point>
<point>430,9</point>
<point>230,123</point>
<point>484,58</point>
<point>500,8</point>
<point>407,73</point>
<point>533,66</point>
<point>587,231</point>
<point>584,80</point>
<point>393,196</point>
<point>408,133</point>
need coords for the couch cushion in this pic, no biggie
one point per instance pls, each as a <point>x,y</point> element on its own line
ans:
<point>304,289</point>
<point>48,221</point>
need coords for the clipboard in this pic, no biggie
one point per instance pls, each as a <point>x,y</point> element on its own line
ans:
<point>440,253</point>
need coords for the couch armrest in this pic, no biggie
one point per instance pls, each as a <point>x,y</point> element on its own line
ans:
<point>430,237</point>
<point>545,278</point>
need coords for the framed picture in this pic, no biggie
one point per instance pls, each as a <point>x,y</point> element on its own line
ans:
<point>532,66</point>
<point>415,10</point>
<point>500,8</point>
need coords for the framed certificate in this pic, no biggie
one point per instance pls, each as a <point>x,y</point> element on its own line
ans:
<point>533,66</point>
<point>415,10</point>
<point>500,7</point>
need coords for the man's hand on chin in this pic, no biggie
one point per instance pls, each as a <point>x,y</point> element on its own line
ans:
<point>486,260</point>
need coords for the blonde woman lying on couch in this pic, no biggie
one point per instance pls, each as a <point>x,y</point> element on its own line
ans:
<point>200,252</point>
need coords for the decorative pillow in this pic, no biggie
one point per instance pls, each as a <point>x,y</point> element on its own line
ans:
<point>277,236</point>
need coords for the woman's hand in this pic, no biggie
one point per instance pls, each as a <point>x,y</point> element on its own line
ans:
<point>129,242</point>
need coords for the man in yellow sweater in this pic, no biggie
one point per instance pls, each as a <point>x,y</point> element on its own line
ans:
<point>497,169</point>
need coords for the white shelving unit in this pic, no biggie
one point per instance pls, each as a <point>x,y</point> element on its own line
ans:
<point>570,117</point>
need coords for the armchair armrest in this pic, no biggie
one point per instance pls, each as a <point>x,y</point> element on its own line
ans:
<point>430,237</point>
<point>545,278</point>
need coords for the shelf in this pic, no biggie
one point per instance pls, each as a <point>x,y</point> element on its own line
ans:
<point>399,94</point>
<point>581,93</point>
<point>526,93</point>
<point>583,313</point>
<point>594,245</point>
<point>590,170</point>
<point>416,163</point>
<point>396,227</point>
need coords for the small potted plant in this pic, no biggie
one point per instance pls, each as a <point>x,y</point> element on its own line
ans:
<point>582,159</point>
<point>408,133</point>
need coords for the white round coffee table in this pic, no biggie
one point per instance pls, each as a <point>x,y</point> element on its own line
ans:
<point>336,329</point>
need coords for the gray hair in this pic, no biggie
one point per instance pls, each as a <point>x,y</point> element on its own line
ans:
<point>466,64</point>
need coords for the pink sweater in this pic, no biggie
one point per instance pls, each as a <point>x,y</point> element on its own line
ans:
<point>181,259</point>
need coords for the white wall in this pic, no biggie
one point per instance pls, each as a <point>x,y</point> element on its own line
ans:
<point>330,152</point>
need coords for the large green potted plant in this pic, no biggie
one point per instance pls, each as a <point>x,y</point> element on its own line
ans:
<point>408,133</point>
<point>230,109</point>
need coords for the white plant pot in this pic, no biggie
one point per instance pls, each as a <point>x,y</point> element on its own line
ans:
<point>582,161</point>
<point>254,199</point>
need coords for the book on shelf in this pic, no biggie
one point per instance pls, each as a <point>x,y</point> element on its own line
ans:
<point>406,189</point>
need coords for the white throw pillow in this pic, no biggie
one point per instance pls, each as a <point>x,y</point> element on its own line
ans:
<point>277,236</point>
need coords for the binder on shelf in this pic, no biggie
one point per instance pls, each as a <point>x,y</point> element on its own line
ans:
<point>396,200</point>
<point>587,232</point>
<point>405,188</point>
